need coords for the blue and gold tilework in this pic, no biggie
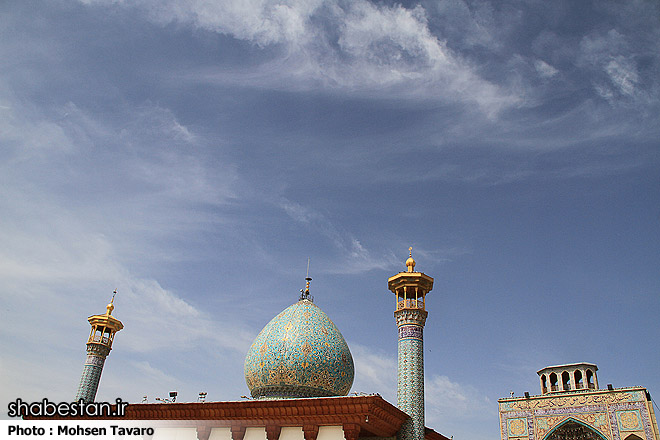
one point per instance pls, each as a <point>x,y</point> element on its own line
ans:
<point>300,353</point>
<point>91,375</point>
<point>629,420</point>
<point>517,427</point>
<point>410,386</point>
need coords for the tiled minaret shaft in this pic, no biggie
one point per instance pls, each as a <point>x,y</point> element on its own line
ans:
<point>99,345</point>
<point>410,289</point>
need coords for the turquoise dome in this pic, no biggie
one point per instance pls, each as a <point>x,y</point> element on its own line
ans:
<point>300,353</point>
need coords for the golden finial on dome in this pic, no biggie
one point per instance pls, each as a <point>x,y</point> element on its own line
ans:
<point>304,293</point>
<point>410,262</point>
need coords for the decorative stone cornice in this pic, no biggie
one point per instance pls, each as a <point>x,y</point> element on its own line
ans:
<point>410,317</point>
<point>98,349</point>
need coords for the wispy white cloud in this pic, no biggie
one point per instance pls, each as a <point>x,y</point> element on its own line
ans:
<point>544,69</point>
<point>74,197</point>
<point>374,371</point>
<point>615,69</point>
<point>623,74</point>
<point>298,212</point>
<point>447,398</point>
<point>358,46</point>
<point>80,205</point>
<point>471,23</point>
<point>180,324</point>
<point>355,257</point>
<point>150,373</point>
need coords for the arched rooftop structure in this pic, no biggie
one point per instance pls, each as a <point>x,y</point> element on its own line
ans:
<point>568,377</point>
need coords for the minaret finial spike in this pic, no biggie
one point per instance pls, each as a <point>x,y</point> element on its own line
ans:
<point>111,306</point>
<point>410,262</point>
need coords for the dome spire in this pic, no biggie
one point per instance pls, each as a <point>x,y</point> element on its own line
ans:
<point>304,293</point>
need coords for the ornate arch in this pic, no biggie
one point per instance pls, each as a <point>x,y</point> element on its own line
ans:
<point>588,432</point>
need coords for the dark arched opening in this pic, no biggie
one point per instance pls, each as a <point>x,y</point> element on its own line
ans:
<point>573,430</point>
<point>544,384</point>
<point>578,380</point>
<point>590,379</point>
<point>566,380</point>
<point>553,382</point>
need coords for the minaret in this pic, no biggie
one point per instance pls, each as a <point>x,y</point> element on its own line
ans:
<point>410,289</point>
<point>99,345</point>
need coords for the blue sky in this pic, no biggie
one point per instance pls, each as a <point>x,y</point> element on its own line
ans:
<point>194,154</point>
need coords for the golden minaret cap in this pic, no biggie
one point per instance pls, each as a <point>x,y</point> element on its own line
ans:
<point>410,262</point>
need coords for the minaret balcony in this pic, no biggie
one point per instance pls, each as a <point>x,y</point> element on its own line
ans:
<point>103,340</point>
<point>410,304</point>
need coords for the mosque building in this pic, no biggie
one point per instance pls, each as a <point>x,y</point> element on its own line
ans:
<point>573,407</point>
<point>299,371</point>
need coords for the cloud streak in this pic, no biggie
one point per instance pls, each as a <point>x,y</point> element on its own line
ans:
<point>374,371</point>
<point>357,46</point>
<point>355,257</point>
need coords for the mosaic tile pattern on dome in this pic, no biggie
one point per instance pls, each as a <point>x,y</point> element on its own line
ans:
<point>299,353</point>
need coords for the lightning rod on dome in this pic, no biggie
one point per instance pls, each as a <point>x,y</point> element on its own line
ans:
<point>304,293</point>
